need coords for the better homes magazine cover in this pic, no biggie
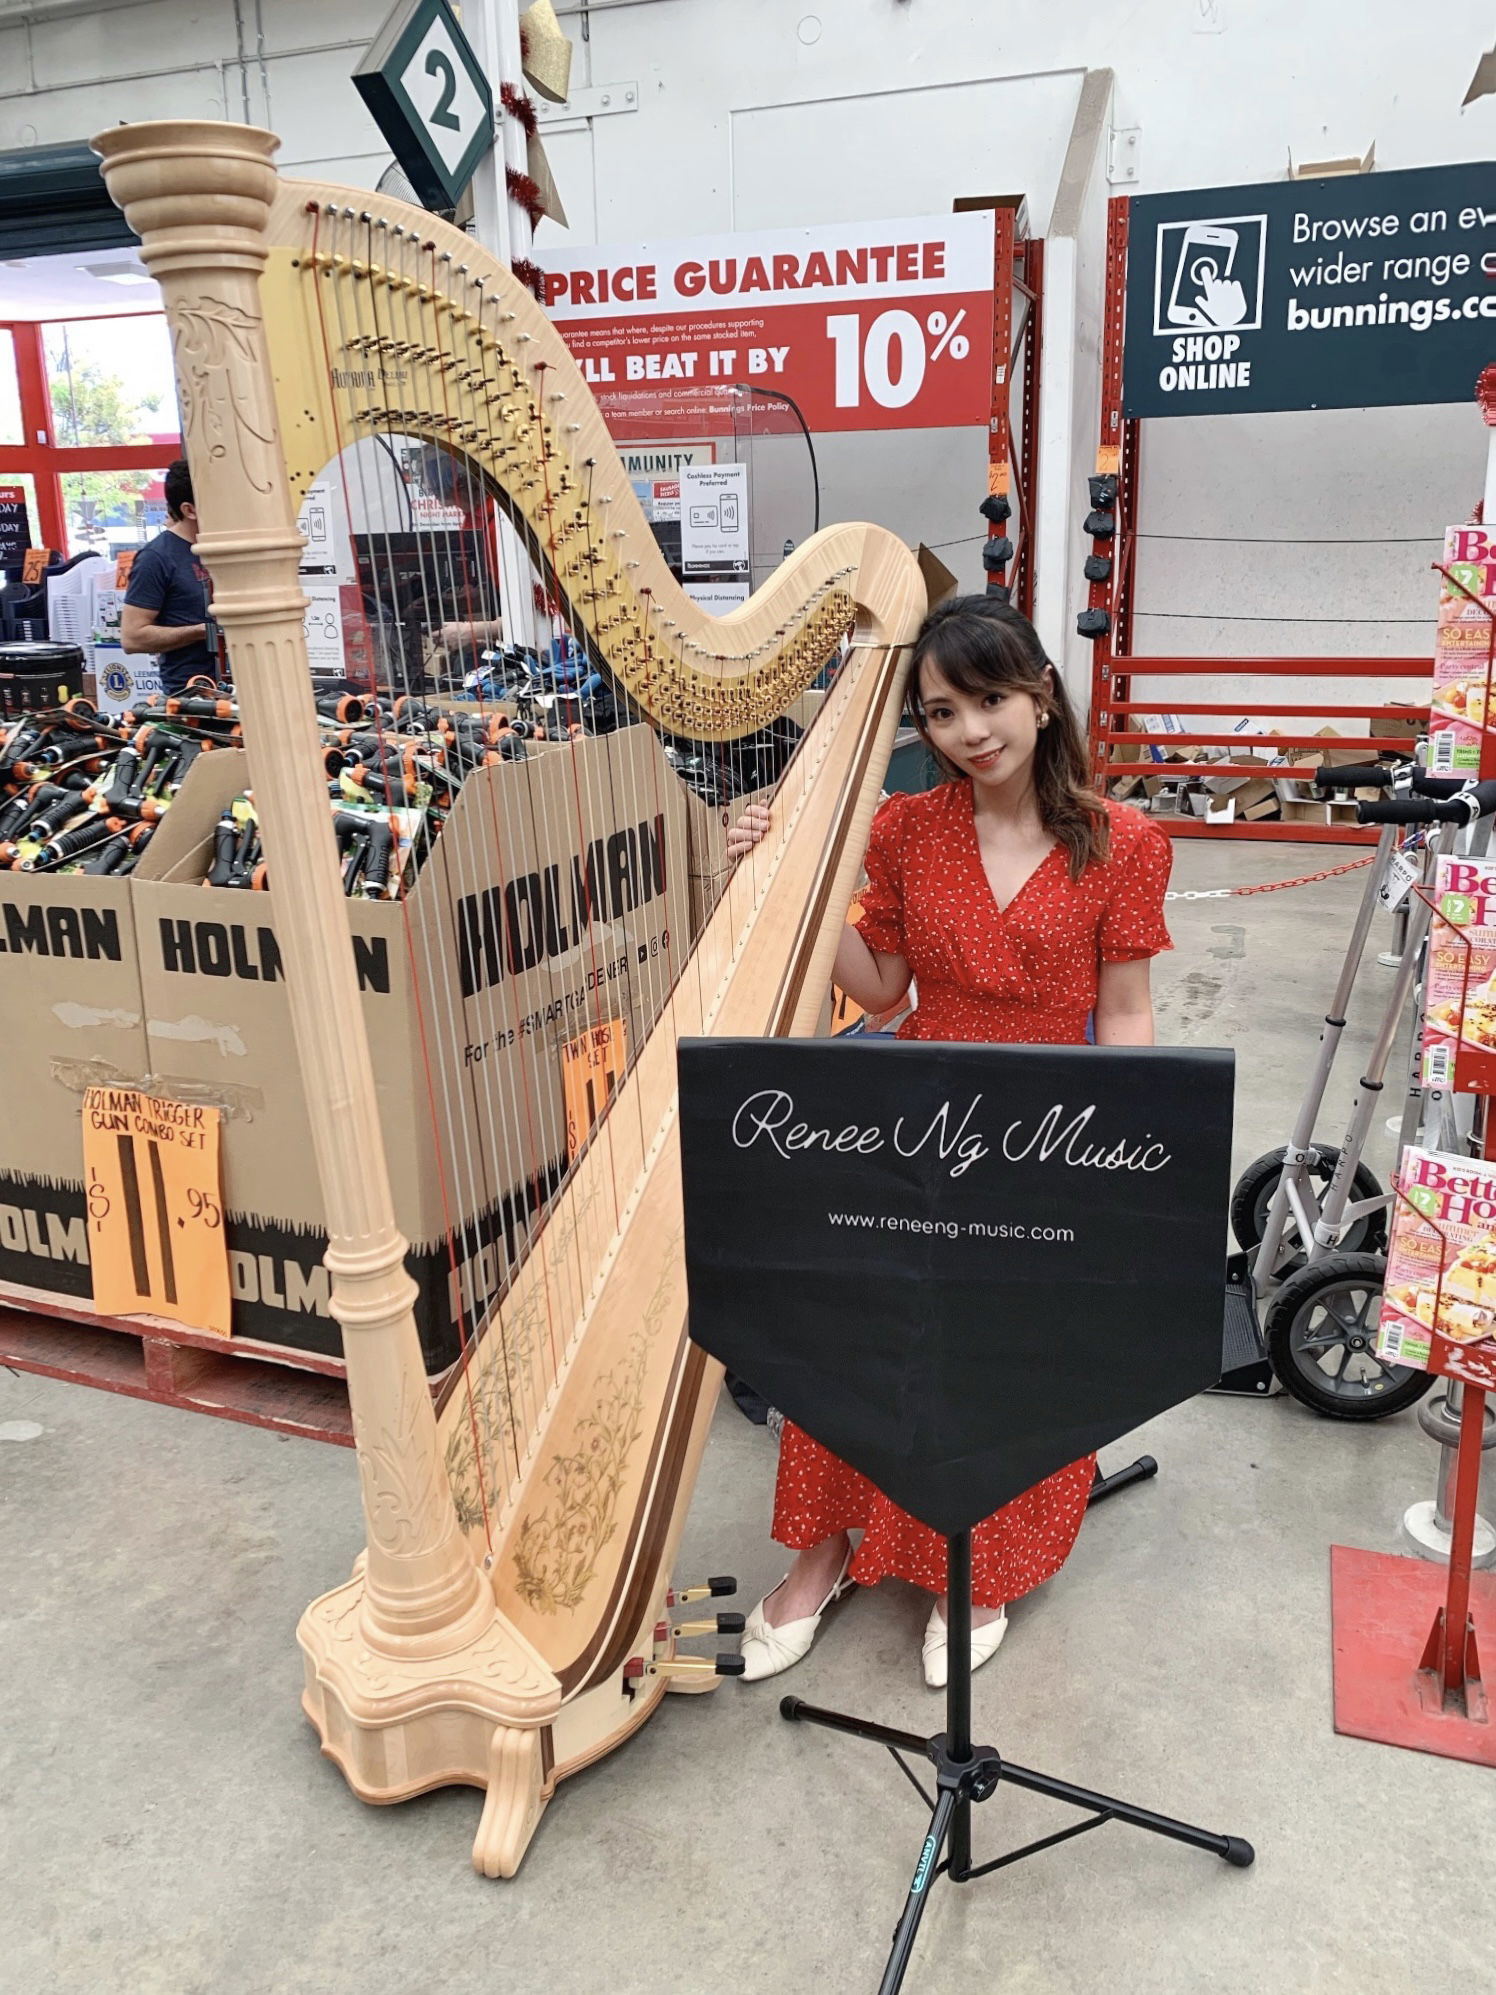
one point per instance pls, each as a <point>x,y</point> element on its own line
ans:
<point>1439,1305</point>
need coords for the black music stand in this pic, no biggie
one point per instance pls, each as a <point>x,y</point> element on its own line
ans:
<point>889,1297</point>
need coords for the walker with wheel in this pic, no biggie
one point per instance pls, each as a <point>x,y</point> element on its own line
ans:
<point>1311,1216</point>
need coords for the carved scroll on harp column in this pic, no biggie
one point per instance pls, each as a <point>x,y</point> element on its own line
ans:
<point>512,1570</point>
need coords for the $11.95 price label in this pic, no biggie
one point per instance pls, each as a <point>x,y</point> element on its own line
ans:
<point>155,1208</point>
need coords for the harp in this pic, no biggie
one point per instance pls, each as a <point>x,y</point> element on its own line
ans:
<point>501,1629</point>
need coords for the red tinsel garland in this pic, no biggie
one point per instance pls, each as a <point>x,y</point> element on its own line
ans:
<point>529,274</point>
<point>525,191</point>
<point>521,108</point>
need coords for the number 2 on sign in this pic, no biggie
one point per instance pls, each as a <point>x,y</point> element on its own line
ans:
<point>155,1214</point>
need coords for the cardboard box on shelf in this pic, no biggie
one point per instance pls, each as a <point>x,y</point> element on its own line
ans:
<point>1416,722</point>
<point>1215,810</point>
<point>1256,799</point>
<point>1337,812</point>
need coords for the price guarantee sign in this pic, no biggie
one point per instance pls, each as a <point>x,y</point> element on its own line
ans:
<point>156,1237</point>
<point>960,1268</point>
<point>862,325</point>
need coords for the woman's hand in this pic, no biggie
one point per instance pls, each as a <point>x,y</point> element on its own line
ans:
<point>749,829</point>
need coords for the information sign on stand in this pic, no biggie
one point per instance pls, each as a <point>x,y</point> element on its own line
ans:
<point>15,525</point>
<point>958,1267</point>
<point>715,535</point>
<point>429,97</point>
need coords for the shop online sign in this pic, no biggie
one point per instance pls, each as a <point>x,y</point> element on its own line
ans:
<point>1361,291</point>
<point>864,325</point>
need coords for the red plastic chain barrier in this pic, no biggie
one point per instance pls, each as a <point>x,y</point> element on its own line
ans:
<point>1267,886</point>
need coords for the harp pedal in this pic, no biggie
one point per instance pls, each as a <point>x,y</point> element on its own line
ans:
<point>720,1624</point>
<point>721,1588</point>
<point>681,1672</point>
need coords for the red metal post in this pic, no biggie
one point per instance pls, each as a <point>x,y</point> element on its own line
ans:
<point>999,423</point>
<point>1451,1646</point>
<point>1026,570</point>
<point>1101,595</point>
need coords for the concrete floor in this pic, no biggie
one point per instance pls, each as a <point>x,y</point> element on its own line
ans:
<point>167,1827</point>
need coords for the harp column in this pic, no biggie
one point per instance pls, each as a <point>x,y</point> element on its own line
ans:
<point>411,1670</point>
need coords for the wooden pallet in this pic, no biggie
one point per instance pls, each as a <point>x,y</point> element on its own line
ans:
<point>145,1357</point>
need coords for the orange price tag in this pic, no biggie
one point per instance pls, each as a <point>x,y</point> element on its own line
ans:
<point>591,1066</point>
<point>124,561</point>
<point>155,1208</point>
<point>34,563</point>
<point>845,1011</point>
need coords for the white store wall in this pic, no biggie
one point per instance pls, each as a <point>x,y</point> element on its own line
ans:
<point>767,112</point>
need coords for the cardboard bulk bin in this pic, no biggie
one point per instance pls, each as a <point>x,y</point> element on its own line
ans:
<point>502,998</point>
<point>71,1000</point>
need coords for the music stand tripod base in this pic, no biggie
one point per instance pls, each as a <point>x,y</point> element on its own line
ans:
<point>965,1774</point>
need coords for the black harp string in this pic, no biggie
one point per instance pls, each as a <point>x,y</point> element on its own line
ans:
<point>503,1184</point>
<point>509,1090</point>
<point>518,1417</point>
<point>478,1081</point>
<point>651,1011</point>
<point>462,1227</point>
<point>562,614</point>
<point>320,281</point>
<point>514,798</point>
<point>454,1132</point>
<point>558,1245</point>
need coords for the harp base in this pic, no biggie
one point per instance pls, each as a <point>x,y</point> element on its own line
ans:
<point>400,1726</point>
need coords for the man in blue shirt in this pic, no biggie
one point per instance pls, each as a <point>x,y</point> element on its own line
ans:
<point>166,601</point>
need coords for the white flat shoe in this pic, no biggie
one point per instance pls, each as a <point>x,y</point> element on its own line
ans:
<point>985,1643</point>
<point>766,1650</point>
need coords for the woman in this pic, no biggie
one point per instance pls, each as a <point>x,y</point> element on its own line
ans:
<point>1019,904</point>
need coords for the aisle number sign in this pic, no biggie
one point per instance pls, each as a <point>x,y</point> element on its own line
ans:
<point>155,1208</point>
<point>428,96</point>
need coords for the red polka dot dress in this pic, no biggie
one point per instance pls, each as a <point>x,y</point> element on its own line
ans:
<point>1026,974</point>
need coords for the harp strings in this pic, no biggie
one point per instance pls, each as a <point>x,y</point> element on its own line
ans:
<point>374,570</point>
<point>387,303</point>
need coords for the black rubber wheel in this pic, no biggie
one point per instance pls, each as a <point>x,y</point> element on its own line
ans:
<point>1254,1194</point>
<point>1321,1328</point>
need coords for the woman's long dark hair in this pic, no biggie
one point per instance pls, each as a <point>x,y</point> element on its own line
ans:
<point>981,643</point>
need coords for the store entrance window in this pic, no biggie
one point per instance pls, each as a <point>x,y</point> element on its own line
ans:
<point>10,391</point>
<point>88,408</point>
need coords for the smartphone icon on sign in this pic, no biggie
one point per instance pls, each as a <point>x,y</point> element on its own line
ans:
<point>729,512</point>
<point>1206,255</point>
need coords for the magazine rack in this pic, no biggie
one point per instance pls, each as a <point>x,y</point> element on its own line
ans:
<point>1431,1698</point>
